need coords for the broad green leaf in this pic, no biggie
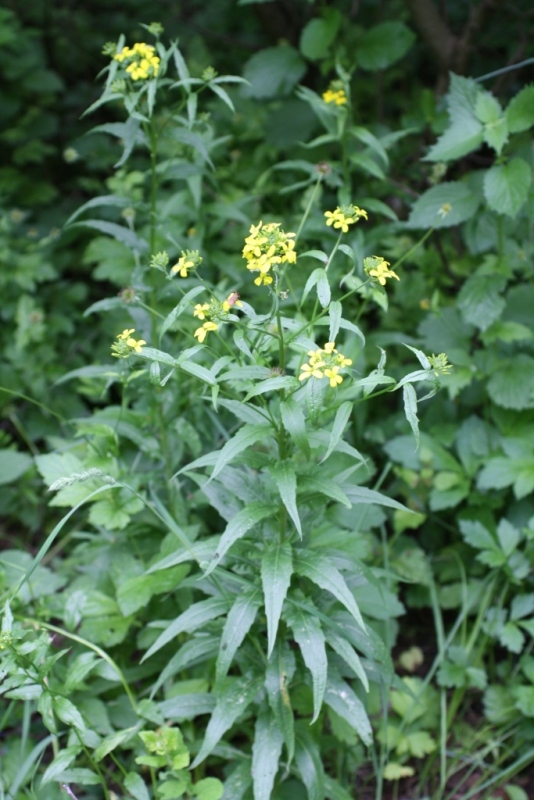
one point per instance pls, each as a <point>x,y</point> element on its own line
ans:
<point>295,424</point>
<point>309,763</point>
<point>522,606</point>
<point>342,417</point>
<point>347,653</point>
<point>310,638</point>
<point>286,481</point>
<point>134,593</point>
<point>334,791</point>
<point>506,186</point>
<point>410,410</point>
<point>233,700</point>
<point>487,108</point>
<point>512,383</point>
<point>480,299</point>
<point>496,134</point>
<point>342,699</point>
<point>238,623</point>
<point>276,571</point>
<point>520,110</point>
<point>68,713</point>
<point>80,775</point>
<point>272,72</point>
<point>244,438</point>
<point>266,750</point>
<point>199,551</point>
<point>466,131</point>
<point>13,465</point>
<point>243,521</point>
<point>78,670</point>
<point>191,619</point>
<point>136,786</point>
<point>244,412</point>
<point>383,45</point>
<point>432,208</point>
<point>187,706</point>
<point>317,36</point>
<point>477,535</point>
<point>320,569</point>
<point>508,536</point>
<point>197,370</point>
<point>209,789</point>
<point>368,164</point>
<point>324,486</point>
<point>178,310</point>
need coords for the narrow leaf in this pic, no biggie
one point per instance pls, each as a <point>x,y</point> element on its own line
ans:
<point>237,527</point>
<point>348,654</point>
<point>276,571</point>
<point>244,438</point>
<point>319,569</point>
<point>310,638</point>
<point>238,623</point>
<point>335,311</point>
<point>286,481</point>
<point>342,699</point>
<point>171,318</point>
<point>310,765</point>
<point>324,486</point>
<point>342,417</point>
<point>410,410</point>
<point>295,423</point>
<point>266,750</point>
<point>191,619</point>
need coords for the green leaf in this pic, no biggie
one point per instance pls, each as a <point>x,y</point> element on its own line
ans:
<point>309,763</point>
<point>60,763</point>
<point>134,593</point>
<point>512,384</point>
<point>266,750</point>
<point>191,619</point>
<point>118,232</point>
<point>320,569</point>
<point>197,370</point>
<point>383,45</point>
<point>279,672</point>
<point>295,424</point>
<point>496,134</point>
<point>508,536</point>
<point>522,606</point>
<point>286,481</point>
<point>276,571</point>
<point>342,699</point>
<point>487,108</point>
<point>506,186</point>
<point>238,623</point>
<point>136,786</point>
<point>13,465</point>
<point>85,777</point>
<point>465,132</point>
<point>244,438</point>
<point>68,713</point>
<point>520,110</point>
<point>368,164</point>
<point>231,703</point>
<point>237,784</point>
<point>208,789</point>
<point>178,310</point>
<point>325,486</point>
<point>280,382</point>
<point>360,494</point>
<point>335,311</point>
<point>347,653</point>
<point>427,211</point>
<point>243,521</point>
<point>310,639</point>
<point>480,299</point>
<point>410,410</point>
<point>319,279</point>
<point>272,72</point>
<point>476,535</point>
<point>342,417</point>
<point>113,741</point>
<point>317,36</point>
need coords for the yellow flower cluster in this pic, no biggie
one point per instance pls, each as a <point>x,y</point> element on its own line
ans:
<point>325,362</point>
<point>142,63</point>
<point>187,261</point>
<point>266,247</point>
<point>378,269</point>
<point>344,216</point>
<point>126,344</point>
<point>213,312</point>
<point>338,97</point>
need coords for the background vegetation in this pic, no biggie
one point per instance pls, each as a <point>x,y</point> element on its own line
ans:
<point>435,142</point>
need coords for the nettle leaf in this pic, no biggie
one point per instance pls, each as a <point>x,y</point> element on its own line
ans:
<point>506,186</point>
<point>520,110</point>
<point>233,700</point>
<point>496,134</point>
<point>266,750</point>
<point>480,300</point>
<point>340,697</point>
<point>477,535</point>
<point>466,131</point>
<point>273,71</point>
<point>427,211</point>
<point>512,384</point>
<point>320,569</point>
<point>286,481</point>
<point>276,571</point>
<point>295,423</point>
<point>191,619</point>
<point>309,763</point>
<point>238,623</point>
<point>310,639</point>
<point>383,45</point>
<point>237,527</point>
<point>317,36</point>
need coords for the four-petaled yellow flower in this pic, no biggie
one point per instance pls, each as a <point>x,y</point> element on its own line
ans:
<point>325,362</point>
<point>190,259</point>
<point>126,344</point>
<point>200,310</point>
<point>203,331</point>
<point>344,216</point>
<point>378,269</point>
<point>142,63</point>
<point>265,248</point>
<point>339,97</point>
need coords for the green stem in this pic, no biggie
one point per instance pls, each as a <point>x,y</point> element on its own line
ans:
<point>308,207</point>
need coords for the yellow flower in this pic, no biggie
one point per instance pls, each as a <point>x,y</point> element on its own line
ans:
<point>135,345</point>
<point>126,333</point>
<point>126,344</point>
<point>344,216</point>
<point>308,370</point>
<point>200,310</point>
<point>143,63</point>
<point>333,377</point>
<point>325,362</point>
<point>182,266</point>
<point>265,247</point>
<point>203,331</point>
<point>263,280</point>
<point>378,268</point>
<point>339,97</point>
<point>231,301</point>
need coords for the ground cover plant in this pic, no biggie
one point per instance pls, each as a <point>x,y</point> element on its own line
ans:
<point>249,531</point>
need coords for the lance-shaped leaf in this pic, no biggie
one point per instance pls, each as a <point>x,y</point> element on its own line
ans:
<point>286,481</point>
<point>335,311</point>
<point>244,438</point>
<point>178,310</point>
<point>361,494</point>
<point>119,232</point>
<point>236,529</point>
<point>309,637</point>
<point>344,649</point>
<point>238,783</point>
<point>232,701</point>
<point>195,651</point>
<point>410,409</point>
<point>268,741</point>
<point>319,569</point>
<point>279,672</point>
<point>324,486</point>
<point>273,385</point>
<point>342,417</point>
<point>295,424</point>
<point>309,763</point>
<point>191,619</point>
<point>276,571</point>
<point>342,699</point>
<point>238,623</point>
<point>199,551</point>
